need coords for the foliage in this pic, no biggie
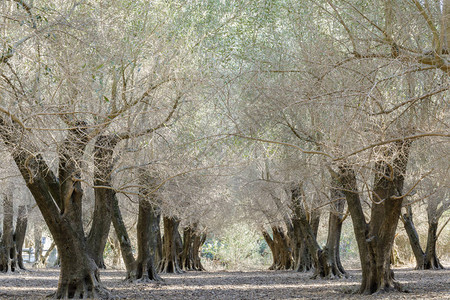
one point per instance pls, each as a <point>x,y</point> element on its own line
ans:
<point>238,247</point>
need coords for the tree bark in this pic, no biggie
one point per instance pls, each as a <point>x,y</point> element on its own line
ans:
<point>37,245</point>
<point>414,240</point>
<point>375,239</point>
<point>326,261</point>
<point>142,269</point>
<point>334,232</point>
<point>8,254</point>
<point>284,259</point>
<point>124,240</point>
<point>147,242</point>
<point>189,257</point>
<point>21,229</point>
<point>431,260</point>
<point>104,194</point>
<point>186,258</point>
<point>169,263</point>
<point>271,245</point>
<point>43,258</point>
<point>199,240</point>
<point>60,202</point>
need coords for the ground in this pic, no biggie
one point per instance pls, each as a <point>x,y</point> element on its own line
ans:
<point>36,284</point>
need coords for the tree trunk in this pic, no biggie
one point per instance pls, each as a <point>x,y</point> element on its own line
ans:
<point>142,269</point>
<point>146,240</point>
<point>431,260</point>
<point>334,232</point>
<point>302,254</point>
<point>284,255</point>
<point>115,246</point>
<point>186,262</point>
<point>189,257</point>
<point>199,240</point>
<point>375,238</point>
<point>8,255</point>
<point>325,261</point>
<point>169,263</point>
<point>43,258</point>
<point>104,194</point>
<point>317,255</point>
<point>37,245</point>
<point>271,245</point>
<point>414,241</point>
<point>60,202</point>
<point>124,240</point>
<point>21,229</point>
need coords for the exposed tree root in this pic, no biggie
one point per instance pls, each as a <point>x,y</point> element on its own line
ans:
<point>88,288</point>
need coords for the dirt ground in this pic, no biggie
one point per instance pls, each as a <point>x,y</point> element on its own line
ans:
<point>36,284</point>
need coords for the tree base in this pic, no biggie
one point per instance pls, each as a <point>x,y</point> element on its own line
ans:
<point>168,266</point>
<point>87,288</point>
<point>380,287</point>
<point>146,277</point>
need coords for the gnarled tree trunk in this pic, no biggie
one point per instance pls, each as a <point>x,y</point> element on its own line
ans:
<point>104,194</point>
<point>147,230</point>
<point>189,257</point>
<point>143,268</point>
<point>325,261</point>
<point>431,259</point>
<point>281,243</point>
<point>279,246</point>
<point>60,202</point>
<point>274,250</point>
<point>146,239</point>
<point>199,240</point>
<point>334,232</point>
<point>169,263</point>
<point>301,252</point>
<point>375,238</point>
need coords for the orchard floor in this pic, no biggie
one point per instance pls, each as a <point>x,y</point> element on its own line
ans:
<point>36,284</point>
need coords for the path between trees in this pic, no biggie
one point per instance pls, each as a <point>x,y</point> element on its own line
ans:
<point>36,284</point>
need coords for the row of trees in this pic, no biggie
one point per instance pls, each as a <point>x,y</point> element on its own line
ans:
<point>342,101</point>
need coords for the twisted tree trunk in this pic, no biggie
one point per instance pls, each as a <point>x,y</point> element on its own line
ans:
<point>60,202</point>
<point>414,240</point>
<point>281,243</point>
<point>375,239</point>
<point>189,257</point>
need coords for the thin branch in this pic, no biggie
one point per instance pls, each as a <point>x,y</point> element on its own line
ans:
<point>341,20</point>
<point>123,136</point>
<point>442,228</point>
<point>430,25</point>
<point>412,100</point>
<point>411,137</point>
<point>282,143</point>
<point>412,188</point>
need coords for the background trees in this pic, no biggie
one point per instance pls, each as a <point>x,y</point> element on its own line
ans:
<point>269,112</point>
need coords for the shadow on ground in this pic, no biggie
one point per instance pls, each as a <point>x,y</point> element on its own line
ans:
<point>35,284</point>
